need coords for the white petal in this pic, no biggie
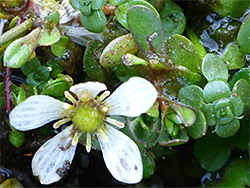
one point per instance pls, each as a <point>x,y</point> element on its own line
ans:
<point>36,111</point>
<point>132,98</point>
<point>90,88</point>
<point>69,14</point>
<point>122,156</point>
<point>54,157</point>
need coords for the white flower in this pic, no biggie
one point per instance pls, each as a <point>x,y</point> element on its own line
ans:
<point>88,113</point>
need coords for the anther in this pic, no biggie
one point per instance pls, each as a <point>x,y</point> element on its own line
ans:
<point>103,96</point>
<point>75,138</point>
<point>105,109</point>
<point>61,122</point>
<point>88,142</point>
<point>115,122</point>
<point>70,97</point>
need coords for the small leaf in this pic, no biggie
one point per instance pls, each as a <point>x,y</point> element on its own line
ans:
<point>216,90</point>
<point>147,30</point>
<point>97,4</point>
<point>191,95</point>
<point>30,66</point>
<point>53,17</point>
<point>227,130</point>
<point>49,37</point>
<point>212,152</point>
<point>113,52</point>
<point>199,127</point>
<point>243,38</point>
<point>233,58</point>
<point>181,51</point>
<point>121,11</point>
<point>242,73</point>
<point>148,164</point>
<point>59,48</point>
<point>238,105</point>
<point>16,138</point>
<point>95,22</point>
<point>208,111</point>
<point>173,18</point>
<point>187,115</point>
<point>213,68</point>
<point>19,51</point>
<point>242,89</point>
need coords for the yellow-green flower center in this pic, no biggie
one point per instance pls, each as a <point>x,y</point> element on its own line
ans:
<point>88,116</point>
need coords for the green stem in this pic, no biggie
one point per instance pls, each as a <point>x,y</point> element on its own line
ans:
<point>16,31</point>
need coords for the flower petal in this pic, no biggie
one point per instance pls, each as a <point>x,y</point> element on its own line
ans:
<point>122,156</point>
<point>91,89</point>
<point>54,157</point>
<point>132,98</point>
<point>36,111</point>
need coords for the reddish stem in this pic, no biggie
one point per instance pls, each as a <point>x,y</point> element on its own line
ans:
<point>7,88</point>
<point>8,71</point>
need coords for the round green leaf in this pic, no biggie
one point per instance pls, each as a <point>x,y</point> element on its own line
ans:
<point>121,11</point>
<point>242,89</point>
<point>181,51</point>
<point>199,127</point>
<point>97,4</point>
<point>233,58</point>
<point>243,73</point>
<point>95,22</point>
<point>238,105</point>
<point>227,130</point>
<point>213,68</point>
<point>147,30</point>
<point>243,38</point>
<point>59,48</point>
<point>208,111</point>
<point>191,95</point>
<point>49,37</point>
<point>30,66</point>
<point>216,90</point>
<point>173,18</point>
<point>212,152</point>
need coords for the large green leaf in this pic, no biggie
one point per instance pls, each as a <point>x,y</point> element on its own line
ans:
<point>19,51</point>
<point>181,51</point>
<point>212,152</point>
<point>213,68</point>
<point>228,129</point>
<point>243,38</point>
<point>147,30</point>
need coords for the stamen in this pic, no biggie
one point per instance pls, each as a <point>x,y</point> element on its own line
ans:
<point>103,96</point>
<point>75,138</point>
<point>103,135</point>
<point>70,97</point>
<point>115,122</point>
<point>105,109</point>
<point>61,122</point>
<point>88,142</point>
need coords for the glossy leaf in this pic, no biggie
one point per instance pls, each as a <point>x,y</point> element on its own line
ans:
<point>212,152</point>
<point>242,89</point>
<point>242,73</point>
<point>233,58</point>
<point>49,37</point>
<point>208,111</point>
<point>243,39</point>
<point>199,127</point>
<point>191,95</point>
<point>19,51</point>
<point>236,174</point>
<point>16,138</point>
<point>121,11</point>
<point>147,30</point>
<point>113,52</point>
<point>238,105</point>
<point>187,115</point>
<point>95,22</point>
<point>97,4</point>
<point>173,18</point>
<point>181,51</point>
<point>213,68</point>
<point>147,137</point>
<point>216,90</point>
<point>30,66</point>
<point>148,164</point>
<point>166,140</point>
<point>228,129</point>
<point>59,48</point>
